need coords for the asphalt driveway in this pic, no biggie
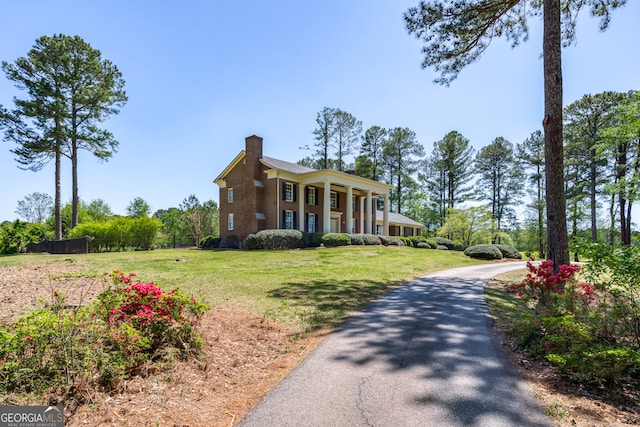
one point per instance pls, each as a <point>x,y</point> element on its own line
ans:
<point>423,355</point>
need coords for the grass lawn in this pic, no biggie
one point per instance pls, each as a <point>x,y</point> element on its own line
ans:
<point>311,289</point>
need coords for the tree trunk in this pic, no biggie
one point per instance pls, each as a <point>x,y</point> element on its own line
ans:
<point>58,205</point>
<point>74,184</point>
<point>557,239</point>
<point>593,192</point>
<point>540,219</point>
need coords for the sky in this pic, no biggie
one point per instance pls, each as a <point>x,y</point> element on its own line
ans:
<point>203,75</point>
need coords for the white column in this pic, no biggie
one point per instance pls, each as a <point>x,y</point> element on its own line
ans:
<point>361,209</point>
<point>326,208</point>
<point>349,210</point>
<point>301,207</point>
<point>385,221</point>
<point>369,228</point>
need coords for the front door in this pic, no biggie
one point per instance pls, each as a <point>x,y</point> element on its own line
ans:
<point>335,225</point>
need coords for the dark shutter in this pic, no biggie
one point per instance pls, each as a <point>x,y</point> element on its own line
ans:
<point>337,200</point>
<point>315,192</point>
<point>295,193</point>
<point>284,219</point>
<point>306,195</point>
<point>284,190</point>
<point>315,223</point>
<point>294,226</point>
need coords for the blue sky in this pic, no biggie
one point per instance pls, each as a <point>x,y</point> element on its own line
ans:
<point>203,75</point>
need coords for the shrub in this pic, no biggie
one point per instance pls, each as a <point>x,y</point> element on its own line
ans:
<point>407,241</point>
<point>384,240</point>
<point>336,239</point>
<point>394,241</point>
<point>459,247</point>
<point>442,248</point>
<point>210,242</point>
<point>279,239</point>
<point>432,243</point>
<point>66,351</point>
<point>371,239</point>
<point>251,242</point>
<point>423,245</point>
<point>356,239</point>
<point>417,239</point>
<point>483,252</point>
<point>445,242</point>
<point>230,241</point>
<point>509,252</point>
<point>541,281</point>
<point>311,240</point>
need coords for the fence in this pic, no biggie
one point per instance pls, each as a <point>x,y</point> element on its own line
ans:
<point>69,246</point>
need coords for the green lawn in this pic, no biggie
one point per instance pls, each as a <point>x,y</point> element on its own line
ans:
<point>306,288</point>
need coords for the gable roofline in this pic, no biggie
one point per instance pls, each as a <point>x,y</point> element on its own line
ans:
<point>305,175</point>
<point>220,180</point>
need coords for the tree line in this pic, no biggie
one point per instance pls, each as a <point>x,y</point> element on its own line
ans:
<point>186,225</point>
<point>601,161</point>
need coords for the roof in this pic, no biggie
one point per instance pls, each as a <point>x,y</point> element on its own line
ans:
<point>396,218</point>
<point>286,166</point>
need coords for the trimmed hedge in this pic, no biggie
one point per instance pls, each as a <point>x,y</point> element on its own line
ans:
<point>442,248</point>
<point>356,239</point>
<point>441,241</point>
<point>394,241</point>
<point>407,241</point>
<point>371,239</point>
<point>483,252</point>
<point>336,239</point>
<point>275,239</point>
<point>423,245</point>
<point>432,243</point>
<point>230,242</point>
<point>509,252</point>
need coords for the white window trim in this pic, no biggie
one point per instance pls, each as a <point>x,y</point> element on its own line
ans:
<point>230,222</point>
<point>333,200</point>
<point>311,223</point>
<point>288,220</point>
<point>230,195</point>
<point>288,192</point>
<point>311,196</point>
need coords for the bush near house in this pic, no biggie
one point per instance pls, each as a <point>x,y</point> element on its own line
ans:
<point>423,245</point>
<point>371,239</point>
<point>336,239</point>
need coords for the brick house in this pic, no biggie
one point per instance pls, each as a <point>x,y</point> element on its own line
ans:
<point>260,193</point>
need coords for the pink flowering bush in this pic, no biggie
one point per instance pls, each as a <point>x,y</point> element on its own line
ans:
<point>542,281</point>
<point>67,349</point>
<point>144,319</point>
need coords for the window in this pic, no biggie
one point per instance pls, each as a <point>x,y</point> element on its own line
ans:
<point>355,204</point>
<point>230,222</point>
<point>288,192</point>
<point>311,196</point>
<point>230,195</point>
<point>311,223</point>
<point>288,220</point>
<point>334,200</point>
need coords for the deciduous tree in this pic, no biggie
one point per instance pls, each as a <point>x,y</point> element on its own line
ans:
<point>35,207</point>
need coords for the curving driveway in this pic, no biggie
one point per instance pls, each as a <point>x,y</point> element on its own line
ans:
<point>423,355</point>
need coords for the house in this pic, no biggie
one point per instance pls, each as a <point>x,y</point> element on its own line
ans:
<point>259,193</point>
